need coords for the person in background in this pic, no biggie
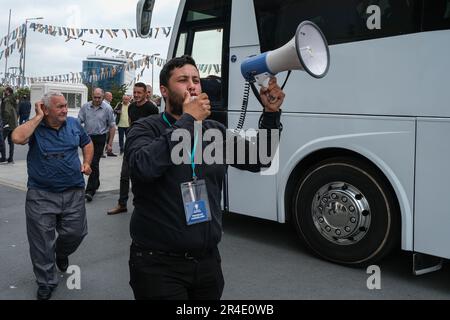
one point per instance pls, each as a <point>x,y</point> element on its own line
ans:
<point>55,197</point>
<point>9,116</point>
<point>150,95</point>
<point>140,108</point>
<point>98,120</point>
<point>122,121</point>
<point>2,141</point>
<point>24,109</point>
<point>108,98</point>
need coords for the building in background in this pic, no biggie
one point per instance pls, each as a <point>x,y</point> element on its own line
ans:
<point>106,72</point>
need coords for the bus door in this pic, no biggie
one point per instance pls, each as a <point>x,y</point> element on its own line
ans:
<point>204,34</point>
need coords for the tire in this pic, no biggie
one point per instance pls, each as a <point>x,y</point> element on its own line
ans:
<point>346,212</point>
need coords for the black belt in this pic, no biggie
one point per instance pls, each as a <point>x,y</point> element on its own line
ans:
<point>184,255</point>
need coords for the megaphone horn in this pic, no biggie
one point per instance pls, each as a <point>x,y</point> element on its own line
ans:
<point>307,51</point>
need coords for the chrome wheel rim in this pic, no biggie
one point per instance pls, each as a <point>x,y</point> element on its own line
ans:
<point>341,213</point>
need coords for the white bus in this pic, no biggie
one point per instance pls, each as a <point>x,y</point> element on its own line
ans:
<point>364,157</point>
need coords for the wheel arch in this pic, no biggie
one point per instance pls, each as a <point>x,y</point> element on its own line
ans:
<point>301,161</point>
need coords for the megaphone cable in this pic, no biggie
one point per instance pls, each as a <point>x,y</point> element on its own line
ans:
<point>246,96</point>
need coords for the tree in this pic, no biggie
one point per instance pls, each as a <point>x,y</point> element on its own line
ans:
<point>22,92</point>
<point>118,92</point>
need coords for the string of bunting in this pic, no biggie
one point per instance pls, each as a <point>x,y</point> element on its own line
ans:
<point>127,54</point>
<point>80,32</point>
<point>104,73</point>
<point>93,75</point>
<point>18,44</point>
<point>136,78</point>
<point>13,35</point>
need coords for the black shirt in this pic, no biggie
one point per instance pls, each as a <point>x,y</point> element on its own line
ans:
<point>24,107</point>
<point>135,112</point>
<point>158,221</point>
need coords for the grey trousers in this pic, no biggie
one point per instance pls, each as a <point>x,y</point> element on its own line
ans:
<point>47,212</point>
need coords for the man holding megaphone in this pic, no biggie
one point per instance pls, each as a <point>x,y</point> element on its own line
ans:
<point>177,221</point>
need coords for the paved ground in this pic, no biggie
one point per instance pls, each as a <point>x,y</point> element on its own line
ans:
<point>261,260</point>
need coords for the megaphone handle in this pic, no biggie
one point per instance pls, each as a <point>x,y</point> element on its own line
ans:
<point>263,79</point>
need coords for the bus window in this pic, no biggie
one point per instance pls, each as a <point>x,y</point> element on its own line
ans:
<point>204,34</point>
<point>201,10</point>
<point>436,15</point>
<point>341,21</point>
<point>181,44</point>
<point>207,52</point>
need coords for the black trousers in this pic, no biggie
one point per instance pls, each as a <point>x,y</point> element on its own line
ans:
<point>94,179</point>
<point>155,276</point>
<point>122,136</point>
<point>2,143</point>
<point>124,183</point>
<point>7,135</point>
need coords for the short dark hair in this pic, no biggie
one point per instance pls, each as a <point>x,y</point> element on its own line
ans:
<point>174,63</point>
<point>141,85</point>
<point>9,90</point>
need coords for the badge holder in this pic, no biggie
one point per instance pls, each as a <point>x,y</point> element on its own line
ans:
<point>196,203</point>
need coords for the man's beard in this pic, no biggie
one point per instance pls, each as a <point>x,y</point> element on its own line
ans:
<point>176,104</point>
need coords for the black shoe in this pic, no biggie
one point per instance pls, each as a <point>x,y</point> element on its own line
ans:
<point>44,292</point>
<point>2,160</point>
<point>62,263</point>
<point>110,154</point>
<point>102,156</point>
<point>11,161</point>
<point>88,197</point>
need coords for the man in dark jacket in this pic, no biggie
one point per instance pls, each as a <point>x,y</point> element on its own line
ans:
<point>9,115</point>
<point>177,220</point>
<point>24,110</point>
<point>140,108</point>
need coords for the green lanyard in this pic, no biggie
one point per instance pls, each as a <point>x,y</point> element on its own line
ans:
<point>192,155</point>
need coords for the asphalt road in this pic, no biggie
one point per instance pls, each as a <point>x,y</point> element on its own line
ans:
<point>260,260</point>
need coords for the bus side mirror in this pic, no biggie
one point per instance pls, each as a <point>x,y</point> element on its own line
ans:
<point>144,11</point>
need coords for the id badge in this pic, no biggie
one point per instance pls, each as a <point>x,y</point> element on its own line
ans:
<point>196,203</point>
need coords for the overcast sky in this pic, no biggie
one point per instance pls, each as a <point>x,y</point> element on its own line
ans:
<point>47,55</point>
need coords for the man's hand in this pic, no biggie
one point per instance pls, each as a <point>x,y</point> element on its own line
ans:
<point>39,106</point>
<point>109,148</point>
<point>199,107</point>
<point>86,169</point>
<point>272,97</point>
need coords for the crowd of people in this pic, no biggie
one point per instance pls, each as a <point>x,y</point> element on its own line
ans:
<point>173,253</point>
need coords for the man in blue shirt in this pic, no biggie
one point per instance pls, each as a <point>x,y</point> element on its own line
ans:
<point>55,197</point>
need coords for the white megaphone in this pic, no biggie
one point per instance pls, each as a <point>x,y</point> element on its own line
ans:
<point>307,51</point>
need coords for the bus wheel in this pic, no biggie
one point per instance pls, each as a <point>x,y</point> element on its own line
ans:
<point>346,212</point>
